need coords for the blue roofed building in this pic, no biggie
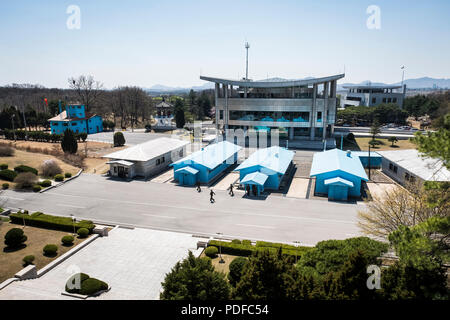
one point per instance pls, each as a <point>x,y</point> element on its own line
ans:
<point>76,119</point>
<point>338,174</point>
<point>264,169</point>
<point>375,158</point>
<point>206,164</point>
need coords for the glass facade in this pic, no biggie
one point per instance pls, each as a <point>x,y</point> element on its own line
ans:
<point>269,116</point>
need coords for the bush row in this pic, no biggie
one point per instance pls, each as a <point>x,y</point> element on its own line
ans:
<point>8,175</point>
<point>40,136</point>
<point>247,249</point>
<point>23,168</point>
<point>38,219</point>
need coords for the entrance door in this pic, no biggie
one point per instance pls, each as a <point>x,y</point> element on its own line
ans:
<point>121,172</point>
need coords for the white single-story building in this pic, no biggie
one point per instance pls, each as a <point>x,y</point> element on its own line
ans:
<point>146,159</point>
<point>408,166</point>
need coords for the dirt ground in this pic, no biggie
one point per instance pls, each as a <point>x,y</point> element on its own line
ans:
<point>363,144</point>
<point>92,149</point>
<point>34,160</point>
<point>221,267</point>
<point>11,261</point>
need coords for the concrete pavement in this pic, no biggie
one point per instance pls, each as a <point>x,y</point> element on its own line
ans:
<point>171,207</point>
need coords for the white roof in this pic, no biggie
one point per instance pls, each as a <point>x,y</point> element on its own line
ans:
<point>428,169</point>
<point>148,150</point>
<point>122,162</point>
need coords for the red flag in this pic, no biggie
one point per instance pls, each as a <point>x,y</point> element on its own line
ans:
<point>46,102</point>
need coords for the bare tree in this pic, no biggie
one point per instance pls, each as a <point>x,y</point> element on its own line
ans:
<point>88,90</point>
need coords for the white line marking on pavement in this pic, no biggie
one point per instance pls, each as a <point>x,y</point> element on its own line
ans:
<point>255,226</point>
<point>71,206</point>
<point>20,199</point>
<point>156,216</point>
<point>208,210</point>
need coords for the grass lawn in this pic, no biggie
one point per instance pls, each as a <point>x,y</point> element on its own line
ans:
<point>11,261</point>
<point>363,144</point>
<point>221,267</point>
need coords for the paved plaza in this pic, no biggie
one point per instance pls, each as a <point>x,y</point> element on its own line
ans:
<point>132,262</point>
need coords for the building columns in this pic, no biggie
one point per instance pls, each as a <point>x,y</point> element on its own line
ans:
<point>313,113</point>
<point>326,86</point>
<point>291,133</point>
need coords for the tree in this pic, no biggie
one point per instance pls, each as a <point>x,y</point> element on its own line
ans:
<point>119,139</point>
<point>436,144</point>
<point>69,142</point>
<point>87,89</point>
<point>236,268</point>
<point>375,129</point>
<point>179,113</point>
<point>195,279</point>
<point>25,180</point>
<point>402,207</point>
<point>15,237</point>
<point>392,140</point>
<point>264,277</point>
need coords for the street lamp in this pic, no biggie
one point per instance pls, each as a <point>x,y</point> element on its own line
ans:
<point>73,223</point>
<point>369,162</point>
<point>296,243</point>
<point>220,248</point>
<point>23,217</point>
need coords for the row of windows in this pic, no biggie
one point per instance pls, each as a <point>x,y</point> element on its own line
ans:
<point>385,100</point>
<point>270,116</point>
<point>159,161</point>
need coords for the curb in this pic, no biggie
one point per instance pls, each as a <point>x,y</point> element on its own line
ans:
<point>62,182</point>
<point>7,282</point>
<point>65,256</point>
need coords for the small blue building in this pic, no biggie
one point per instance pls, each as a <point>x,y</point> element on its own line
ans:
<point>204,165</point>
<point>265,168</point>
<point>375,158</point>
<point>338,174</point>
<point>76,119</point>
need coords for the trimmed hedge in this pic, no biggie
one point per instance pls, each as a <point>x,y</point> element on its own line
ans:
<point>23,168</point>
<point>67,240</point>
<point>27,260</point>
<point>246,250</point>
<point>50,250</point>
<point>88,286</point>
<point>83,232</point>
<point>8,175</point>
<point>45,183</point>
<point>3,166</point>
<point>5,186</point>
<point>32,135</point>
<point>68,175</point>
<point>37,188</point>
<point>211,251</point>
<point>15,237</point>
<point>38,219</point>
<point>59,177</point>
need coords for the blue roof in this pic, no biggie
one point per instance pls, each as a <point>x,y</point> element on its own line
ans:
<point>373,154</point>
<point>274,158</point>
<point>255,178</point>
<point>333,160</point>
<point>212,155</point>
<point>338,181</point>
<point>187,169</point>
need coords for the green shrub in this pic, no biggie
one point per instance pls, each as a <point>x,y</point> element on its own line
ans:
<point>211,252</point>
<point>69,142</point>
<point>25,180</point>
<point>3,166</point>
<point>50,250</point>
<point>246,242</point>
<point>67,240</point>
<point>67,175</point>
<point>83,232</point>
<point>15,237</point>
<point>59,177</point>
<point>8,175</point>
<point>92,286</point>
<point>45,183</point>
<point>236,241</point>
<point>119,139</point>
<point>5,186</point>
<point>236,267</point>
<point>37,188</point>
<point>22,168</point>
<point>27,260</point>
<point>40,220</point>
<point>71,284</point>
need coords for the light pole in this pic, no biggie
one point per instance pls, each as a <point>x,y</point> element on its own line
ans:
<point>220,248</point>
<point>403,75</point>
<point>73,223</point>
<point>296,243</point>
<point>23,217</point>
<point>369,162</point>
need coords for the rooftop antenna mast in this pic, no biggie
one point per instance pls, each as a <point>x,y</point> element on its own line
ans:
<point>247,46</point>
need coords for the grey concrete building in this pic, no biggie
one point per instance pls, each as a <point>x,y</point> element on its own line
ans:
<point>371,95</point>
<point>408,166</point>
<point>146,159</point>
<point>302,108</point>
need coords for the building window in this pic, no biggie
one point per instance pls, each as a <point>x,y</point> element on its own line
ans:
<point>319,116</point>
<point>158,161</point>
<point>394,100</point>
<point>74,123</point>
<point>115,169</point>
<point>221,115</point>
<point>412,179</point>
<point>391,166</point>
<point>126,170</point>
<point>395,169</point>
<point>163,159</point>
<point>65,124</point>
<point>389,100</point>
<point>374,100</point>
<point>180,154</point>
<point>406,176</point>
<point>384,100</point>
<point>55,124</point>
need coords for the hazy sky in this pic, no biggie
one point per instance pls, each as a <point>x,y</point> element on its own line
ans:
<point>171,42</point>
